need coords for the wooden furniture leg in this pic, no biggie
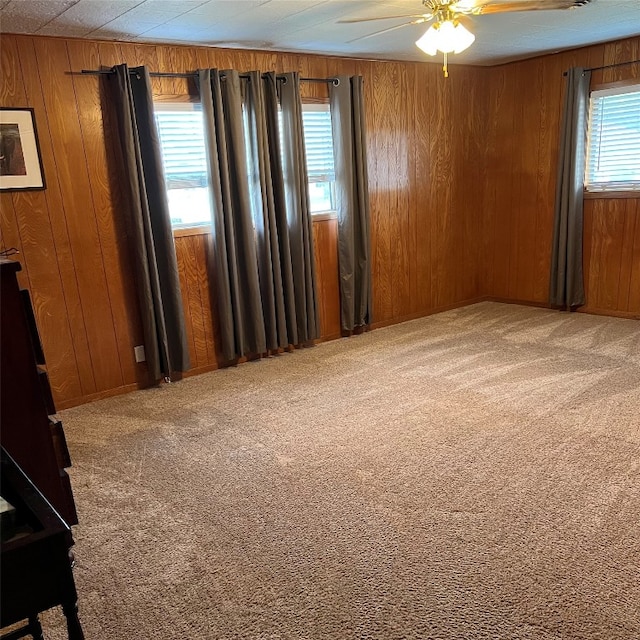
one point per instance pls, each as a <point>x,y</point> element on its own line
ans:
<point>31,628</point>
<point>74,630</point>
<point>35,628</point>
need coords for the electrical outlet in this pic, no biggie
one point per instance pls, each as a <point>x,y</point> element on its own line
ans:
<point>139,353</point>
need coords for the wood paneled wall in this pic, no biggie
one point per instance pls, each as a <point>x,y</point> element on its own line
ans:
<point>425,138</point>
<point>461,176</point>
<point>525,108</point>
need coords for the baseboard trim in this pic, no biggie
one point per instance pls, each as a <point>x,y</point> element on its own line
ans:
<point>629,315</point>
<point>198,370</point>
<point>100,395</point>
<point>332,336</point>
<point>524,303</point>
<point>423,314</point>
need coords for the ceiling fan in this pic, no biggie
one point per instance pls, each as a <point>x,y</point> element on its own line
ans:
<point>448,33</point>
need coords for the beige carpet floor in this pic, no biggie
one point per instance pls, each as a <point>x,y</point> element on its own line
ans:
<point>470,475</point>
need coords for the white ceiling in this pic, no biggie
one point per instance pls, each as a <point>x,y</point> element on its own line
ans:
<point>312,25</point>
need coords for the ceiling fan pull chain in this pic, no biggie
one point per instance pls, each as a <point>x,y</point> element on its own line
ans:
<point>445,67</point>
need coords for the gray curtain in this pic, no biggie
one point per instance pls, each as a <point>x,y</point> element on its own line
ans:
<point>269,215</point>
<point>298,214</point>
<point>149,223</point>
<point>261,263</point>
<point>567,280</point>
<point>233,266</point>
<point>354,253</point>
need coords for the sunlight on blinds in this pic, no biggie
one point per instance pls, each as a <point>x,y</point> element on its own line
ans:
<point>613,152</point>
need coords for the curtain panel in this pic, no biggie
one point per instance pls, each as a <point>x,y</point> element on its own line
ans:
<point>233,266</point>
<point>149,223</point>
<point>261,266</point>
<point>352,195</point>
<point>298,212</point>
<point>269,214</point>
<point>567,279</point>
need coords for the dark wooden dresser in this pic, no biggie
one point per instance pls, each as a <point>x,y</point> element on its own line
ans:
<point>38,506</point>
<point>31,437</point>
<point>36,569</point>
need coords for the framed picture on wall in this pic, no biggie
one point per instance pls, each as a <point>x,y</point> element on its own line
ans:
<point>20,162</point>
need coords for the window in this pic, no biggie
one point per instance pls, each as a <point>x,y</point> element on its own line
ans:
<point>184,159</point>
<point>318,140</point>
<point>181,132</point>
<point>613,147</point>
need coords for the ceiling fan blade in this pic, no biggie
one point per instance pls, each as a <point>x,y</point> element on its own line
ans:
<point>426,16</point>
<point>398,26</point>
<point>485,7</point>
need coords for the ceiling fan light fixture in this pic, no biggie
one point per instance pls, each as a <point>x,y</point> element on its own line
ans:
<point>448,36</point>
<point>429,41</point>
<point>463,38</point>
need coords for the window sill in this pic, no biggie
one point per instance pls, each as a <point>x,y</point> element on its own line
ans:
<point>199,230</point>
<point>325,215</point>
<point>606,195</point>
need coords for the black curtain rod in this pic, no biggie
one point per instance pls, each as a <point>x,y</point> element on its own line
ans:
<point>609,66</point>
<point>194,74</point>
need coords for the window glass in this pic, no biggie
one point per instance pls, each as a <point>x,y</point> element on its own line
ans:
<point>318,138</point>
<point>318,142</point>
<point>181,132</point>
<point>613,151</point>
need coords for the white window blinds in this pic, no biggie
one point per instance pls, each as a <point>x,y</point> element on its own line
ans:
<point>318,141</point>
<point>613,151</point>
<point>182,140</point>
<point>181,132</point>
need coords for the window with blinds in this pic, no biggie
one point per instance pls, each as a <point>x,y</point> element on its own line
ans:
<point>613,147</point>
<point>318,141</point>
<point>181,133</point>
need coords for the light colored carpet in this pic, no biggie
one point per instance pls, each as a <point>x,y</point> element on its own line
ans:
<point>473,474</point>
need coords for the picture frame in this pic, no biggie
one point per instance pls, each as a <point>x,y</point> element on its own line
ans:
<point>20,159</point>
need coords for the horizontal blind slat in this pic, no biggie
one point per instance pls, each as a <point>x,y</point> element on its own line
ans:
<point>183,154</point>
<point>613,152</point>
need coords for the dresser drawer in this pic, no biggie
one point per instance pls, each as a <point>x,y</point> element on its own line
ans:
<point>59,443</point>
<point>68,509</point>
<point>47,396</point>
